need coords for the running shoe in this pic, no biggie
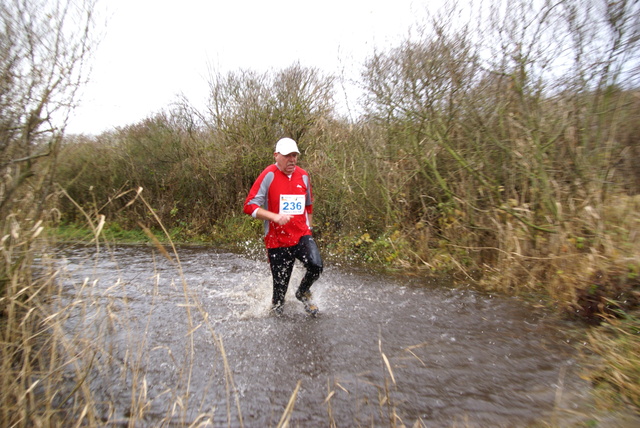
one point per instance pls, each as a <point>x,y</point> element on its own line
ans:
<point>310,307</point>
<point>277,309</point>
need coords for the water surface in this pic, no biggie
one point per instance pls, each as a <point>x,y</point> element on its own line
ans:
<point>385,349</point>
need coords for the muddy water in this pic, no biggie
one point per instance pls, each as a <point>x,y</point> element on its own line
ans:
<point>385,350</point>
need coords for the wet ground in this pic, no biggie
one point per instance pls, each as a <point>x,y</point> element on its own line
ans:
<point>195,339</point>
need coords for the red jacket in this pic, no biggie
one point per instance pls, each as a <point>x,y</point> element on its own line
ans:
<point>274,191</point>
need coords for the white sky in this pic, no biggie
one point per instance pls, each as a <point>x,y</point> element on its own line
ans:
<point>154,50</point>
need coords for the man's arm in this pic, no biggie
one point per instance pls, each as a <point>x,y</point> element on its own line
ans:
<point>281,219</point>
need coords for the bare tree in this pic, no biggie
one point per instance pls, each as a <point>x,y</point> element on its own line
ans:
<point>45,47</point>
<point>302,97</point>
<point>258,108</point>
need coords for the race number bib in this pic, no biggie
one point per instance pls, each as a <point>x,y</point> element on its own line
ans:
<point>292,204</point>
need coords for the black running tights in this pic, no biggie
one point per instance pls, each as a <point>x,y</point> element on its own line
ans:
<point>282,261</point>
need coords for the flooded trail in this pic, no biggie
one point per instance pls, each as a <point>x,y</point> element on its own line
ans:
<point>385,350</point>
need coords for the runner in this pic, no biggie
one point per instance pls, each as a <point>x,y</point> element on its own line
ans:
<point>281,196</point>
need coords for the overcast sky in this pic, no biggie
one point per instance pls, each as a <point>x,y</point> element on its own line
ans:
<point>154,50</point>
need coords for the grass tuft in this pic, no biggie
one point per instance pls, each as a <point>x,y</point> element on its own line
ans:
<point>616,372</point>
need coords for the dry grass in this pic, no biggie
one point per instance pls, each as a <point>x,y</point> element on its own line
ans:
<point>61,339</point>
<point>592,258</point>
<point>616,372</point>
<point>590,268</point>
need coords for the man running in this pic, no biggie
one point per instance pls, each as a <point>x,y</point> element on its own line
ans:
<point>281,196</point>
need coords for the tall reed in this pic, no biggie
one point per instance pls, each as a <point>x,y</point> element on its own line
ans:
<point>76,354</point>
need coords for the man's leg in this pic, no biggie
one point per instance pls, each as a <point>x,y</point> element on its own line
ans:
<point>307,252</point>
<point>281,261</point>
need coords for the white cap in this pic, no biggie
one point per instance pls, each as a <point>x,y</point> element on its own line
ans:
<point>286,146</point>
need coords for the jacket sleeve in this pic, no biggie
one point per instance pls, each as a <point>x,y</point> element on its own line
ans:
<point>309,195</point>
<point>258,195</point>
